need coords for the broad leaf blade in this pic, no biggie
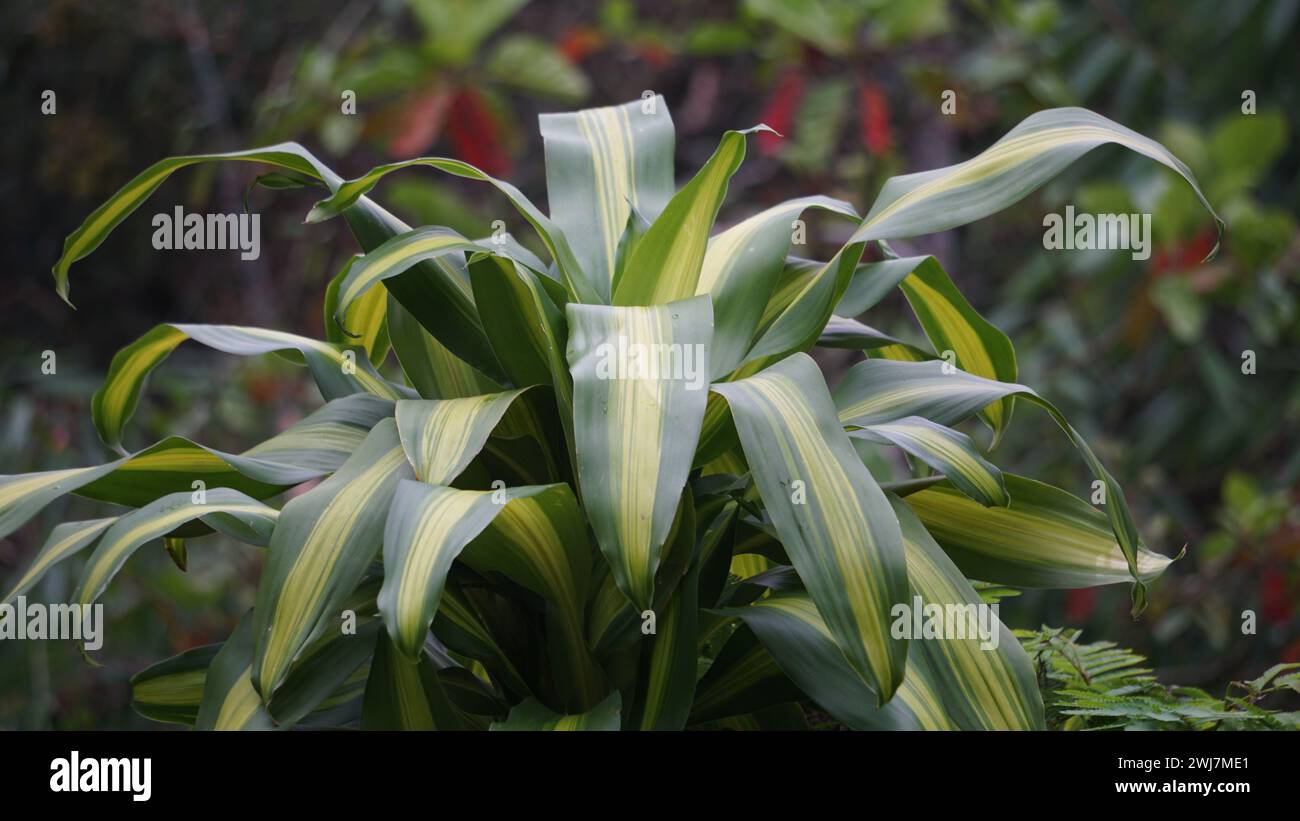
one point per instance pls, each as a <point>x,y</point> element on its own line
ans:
<point>601,164</point>
<point>637,423</point>
<point>323,543</point>
<point>835,524</point>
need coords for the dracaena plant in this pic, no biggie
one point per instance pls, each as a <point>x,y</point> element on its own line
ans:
<point>611,489</point>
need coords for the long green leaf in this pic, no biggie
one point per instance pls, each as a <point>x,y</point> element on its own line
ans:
<point>108,216</point>
<point>881,390</point>
<point>363,323</point>
<point>665,264</point>
<point>405,695</point>
<point>951,453</point>
<point>1045,538</point>
<point>1033,152</point>
<point>323,543</point>
<point>602,164</point>
<point>740,271</point>
<point>65,541</point>
<point>229,700</point>
<point>832,517</point>
<point>226,510</point>
<point>337,372</point>
<point>350,192</point>
<point>640,382</point>
<point>985,680</point>
<point>171,690</point>
<point>791,627</point>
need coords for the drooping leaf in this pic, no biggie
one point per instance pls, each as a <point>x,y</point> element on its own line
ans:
<point>223,509</point>
<point>1044,538</point>
<point>65,541</point>
<point>882,390</point>
<point>338,372</point>
<point>1030,154</point>
<point>555,241</point>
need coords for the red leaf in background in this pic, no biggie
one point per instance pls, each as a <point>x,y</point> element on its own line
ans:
<point>1079,604</point>
<point>1185,256</point>
<point>873,114</point>
<point>475,135</point>
<point>778,112</point>
<point>576,42</point>
<point>655,53</point>
<point>421,122</point>
<point>1276,605</point>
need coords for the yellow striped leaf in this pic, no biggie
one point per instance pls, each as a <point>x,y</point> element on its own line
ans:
<point>399,254</point>
<point>338,372</point>
<point>603,165</point>
<point>951,453</point>
<point>1045,538</point>
<point>349,193</point>
<point>640,379</point>
<point>1033,152</point>
<point>665,264</point>
<point>401,695</point>
<point>223,509</point>
<point>985,679</point>
<point>741,269</point>
<point>441,436</point>
<point>364,323</point>
<point>108,216</point>
<point>791,627</point>
<point>951,324</point>
<point>65,540</point>
<point>323,543</point>
<point>229,700</point>
<point>172,689</point>
<point>882,390</point>
<point>833,519</point>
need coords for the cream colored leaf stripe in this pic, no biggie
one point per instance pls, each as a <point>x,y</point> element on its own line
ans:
<point>851,561</point>
<point>948,451</point>
<point>64,541</point>
<point>323,544</point>
<point>349,192</point>
<point>883,390</point>
<point>108,216</point>
<point>993,687</point>
<point>441,436</point>
<point>1029,155</point>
